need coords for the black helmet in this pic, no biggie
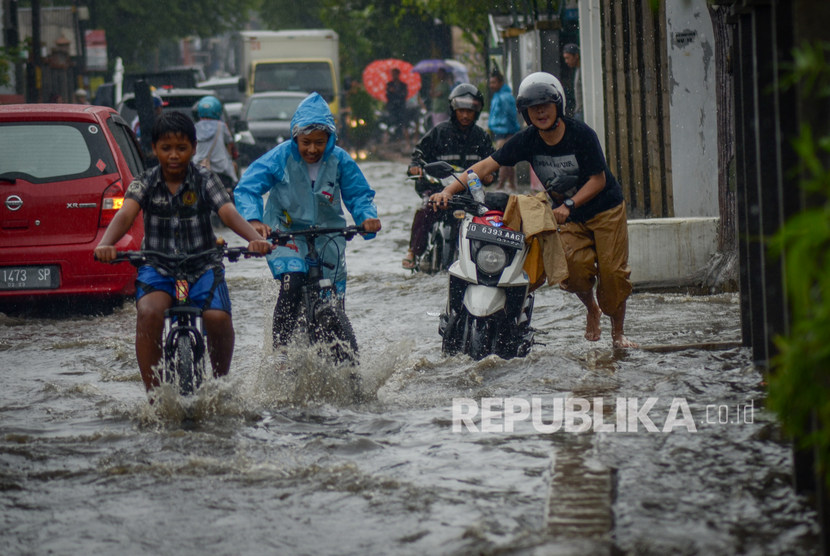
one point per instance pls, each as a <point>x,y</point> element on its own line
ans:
<point>466,96</point>
<point>540,88</point>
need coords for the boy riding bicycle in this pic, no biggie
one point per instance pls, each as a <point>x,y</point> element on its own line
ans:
<point>306,179</point>
<point>177,198</point>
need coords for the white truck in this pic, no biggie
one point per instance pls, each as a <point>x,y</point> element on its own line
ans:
<point>305,60</point>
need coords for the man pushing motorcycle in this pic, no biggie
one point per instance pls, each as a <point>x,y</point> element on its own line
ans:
<point>587,200</point>
<point>457,141</point>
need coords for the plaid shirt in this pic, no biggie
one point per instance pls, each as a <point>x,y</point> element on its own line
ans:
<point>179,223</point>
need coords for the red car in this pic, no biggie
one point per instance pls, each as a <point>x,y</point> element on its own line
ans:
<point>64,169</point>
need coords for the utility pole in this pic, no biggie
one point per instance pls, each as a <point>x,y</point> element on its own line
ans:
<point>34,69</point>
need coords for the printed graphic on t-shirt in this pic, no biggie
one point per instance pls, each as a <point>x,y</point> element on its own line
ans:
<point>559,175</point>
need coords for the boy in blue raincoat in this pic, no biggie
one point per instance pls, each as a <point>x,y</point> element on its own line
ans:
<point>306,179</point>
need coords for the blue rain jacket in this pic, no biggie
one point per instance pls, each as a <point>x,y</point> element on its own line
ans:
<point>503,117</point>
<point>294,203</point>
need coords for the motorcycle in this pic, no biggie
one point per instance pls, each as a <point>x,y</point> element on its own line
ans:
<point>489,304</point>
<point>442,237</point>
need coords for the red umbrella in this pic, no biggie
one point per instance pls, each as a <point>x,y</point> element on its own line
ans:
<point>379,73</point>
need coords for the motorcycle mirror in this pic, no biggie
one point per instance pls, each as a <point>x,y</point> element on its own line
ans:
<point>440,169</point>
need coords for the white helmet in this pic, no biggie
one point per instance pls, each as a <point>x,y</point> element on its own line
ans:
<point>540,88</point>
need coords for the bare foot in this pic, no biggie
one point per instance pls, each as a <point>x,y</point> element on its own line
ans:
<point>620,341</point>
<point>593,330</point>
<point>618,338</point>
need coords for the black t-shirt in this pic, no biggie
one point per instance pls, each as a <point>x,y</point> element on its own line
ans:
<point>565,167</point>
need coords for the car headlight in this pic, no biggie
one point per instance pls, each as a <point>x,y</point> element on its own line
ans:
<point>491,259</point>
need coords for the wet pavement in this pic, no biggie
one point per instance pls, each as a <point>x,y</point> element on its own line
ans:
<point>576,449</point>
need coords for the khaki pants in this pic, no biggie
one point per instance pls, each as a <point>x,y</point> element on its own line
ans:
<point>597,252</point>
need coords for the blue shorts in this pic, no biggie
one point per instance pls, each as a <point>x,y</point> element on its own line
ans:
<point>210,291</point>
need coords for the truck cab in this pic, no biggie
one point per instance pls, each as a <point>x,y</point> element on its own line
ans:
<point>303,60</point>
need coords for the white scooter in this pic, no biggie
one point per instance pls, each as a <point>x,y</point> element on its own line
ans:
<point>489,303</point>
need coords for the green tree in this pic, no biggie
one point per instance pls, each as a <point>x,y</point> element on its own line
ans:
<point>136,30</point>
<point>283,14</point>
<point>368,29</point>
<point>6,66</point>
<point>471,17</point>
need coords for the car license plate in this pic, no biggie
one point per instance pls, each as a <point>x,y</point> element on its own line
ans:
<point>501,236</point>
<point>29,277</point>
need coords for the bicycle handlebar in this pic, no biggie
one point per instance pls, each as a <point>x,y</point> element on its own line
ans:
<point>138,258</point>
<point>281,238</point>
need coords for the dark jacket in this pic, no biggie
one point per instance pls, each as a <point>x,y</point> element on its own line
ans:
<point>447,141</point>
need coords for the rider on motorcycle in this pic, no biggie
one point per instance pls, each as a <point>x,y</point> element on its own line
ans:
<point>457,141</point>
<point>214,147</point>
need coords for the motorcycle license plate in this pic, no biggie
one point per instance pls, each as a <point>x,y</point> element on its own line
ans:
<point>500,236</point>
<point>29,277</point>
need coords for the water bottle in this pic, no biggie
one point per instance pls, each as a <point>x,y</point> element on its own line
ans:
<point>474,183</point>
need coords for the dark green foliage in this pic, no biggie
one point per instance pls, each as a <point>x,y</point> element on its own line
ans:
<point>6,65</point>
<point>136,31</point>
<point>144,34</point>
<point>368,29</point>
<point>799,386</point>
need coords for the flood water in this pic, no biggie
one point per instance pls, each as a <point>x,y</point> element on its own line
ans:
<point>282,462</point>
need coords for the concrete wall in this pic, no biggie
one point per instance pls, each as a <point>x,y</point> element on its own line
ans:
<point>693,108</point>
<point>590,48</point>
<point>670,251</point>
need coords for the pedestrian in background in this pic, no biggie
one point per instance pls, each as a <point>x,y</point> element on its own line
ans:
<point>571,56</point>
<point>396,93</point>
<point>439,92</point>
<point>214,142</point>
<point>81,97</point>
<point>503,123</point>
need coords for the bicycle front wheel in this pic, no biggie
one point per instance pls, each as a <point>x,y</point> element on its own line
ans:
<point>332,328</point>
<point>184,366</point>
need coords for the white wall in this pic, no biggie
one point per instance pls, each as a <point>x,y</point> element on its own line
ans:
<point>670,251</point>
<point>692,103</point>
<point>590,59</point>
<point>693,108</point>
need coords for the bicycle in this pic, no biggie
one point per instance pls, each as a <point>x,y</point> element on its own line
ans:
<point>323,314</point>
<point>185,339</point>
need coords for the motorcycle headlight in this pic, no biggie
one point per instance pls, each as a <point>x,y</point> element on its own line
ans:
<point>491,259</point>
